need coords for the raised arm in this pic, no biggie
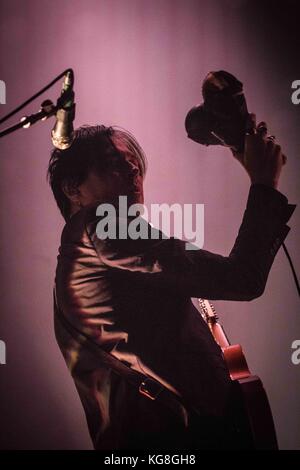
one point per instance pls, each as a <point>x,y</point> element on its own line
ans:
<point>242,275</point>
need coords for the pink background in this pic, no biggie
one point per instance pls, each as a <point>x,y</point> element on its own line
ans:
<point>139,64</point>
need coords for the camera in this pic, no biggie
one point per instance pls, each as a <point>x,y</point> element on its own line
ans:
<point>222,118</point>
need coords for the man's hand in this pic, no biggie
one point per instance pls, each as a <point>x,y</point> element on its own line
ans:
<point>262,158</point>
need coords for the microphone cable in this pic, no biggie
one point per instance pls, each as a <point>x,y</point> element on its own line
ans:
<point>292,267</point>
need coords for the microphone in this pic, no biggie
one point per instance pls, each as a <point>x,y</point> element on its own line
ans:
<point>63,132</point>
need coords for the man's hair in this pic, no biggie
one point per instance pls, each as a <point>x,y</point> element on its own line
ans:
<point>93,148</point>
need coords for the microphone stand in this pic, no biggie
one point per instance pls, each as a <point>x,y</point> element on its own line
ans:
<point>28,121</point>
<point>47,110</point>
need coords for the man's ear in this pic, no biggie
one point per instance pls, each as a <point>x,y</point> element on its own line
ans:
<point>71,191</point>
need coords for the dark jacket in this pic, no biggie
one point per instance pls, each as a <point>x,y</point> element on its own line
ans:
<point>133,297</point>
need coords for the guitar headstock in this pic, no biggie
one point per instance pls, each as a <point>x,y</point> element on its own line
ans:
<point>207,311</point>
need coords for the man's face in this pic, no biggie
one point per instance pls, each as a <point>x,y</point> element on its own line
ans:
<point>108,187</point>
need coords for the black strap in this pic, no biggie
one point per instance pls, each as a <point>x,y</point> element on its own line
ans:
<point>146,385</point>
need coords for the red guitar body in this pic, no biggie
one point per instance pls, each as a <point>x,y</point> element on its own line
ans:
<point>250,407</point>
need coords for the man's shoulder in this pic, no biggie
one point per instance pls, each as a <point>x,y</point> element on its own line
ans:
<point>77,225</point>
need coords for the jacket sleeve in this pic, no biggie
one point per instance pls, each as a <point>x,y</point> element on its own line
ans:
<point>166,264</point>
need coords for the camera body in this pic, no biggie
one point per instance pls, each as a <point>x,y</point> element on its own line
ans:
<point>222,118</point>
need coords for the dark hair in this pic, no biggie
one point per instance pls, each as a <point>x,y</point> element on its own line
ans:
<point>94,147</point>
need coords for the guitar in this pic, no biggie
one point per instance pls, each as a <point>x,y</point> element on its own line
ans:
<point>251,409</point>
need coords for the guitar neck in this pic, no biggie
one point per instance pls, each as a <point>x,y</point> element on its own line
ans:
<point>209,314</point>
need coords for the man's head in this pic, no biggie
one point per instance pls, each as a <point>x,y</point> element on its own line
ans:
<point>101,164</point>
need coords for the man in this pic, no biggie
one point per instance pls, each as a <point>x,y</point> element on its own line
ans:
<point>133,297</point>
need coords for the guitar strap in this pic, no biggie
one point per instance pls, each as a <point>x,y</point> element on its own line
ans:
<point>147,386</point>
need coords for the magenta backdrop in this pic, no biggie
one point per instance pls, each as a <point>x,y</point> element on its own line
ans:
<point>138,64</point>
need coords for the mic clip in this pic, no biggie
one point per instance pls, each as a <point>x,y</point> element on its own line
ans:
<point>66,100</point>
